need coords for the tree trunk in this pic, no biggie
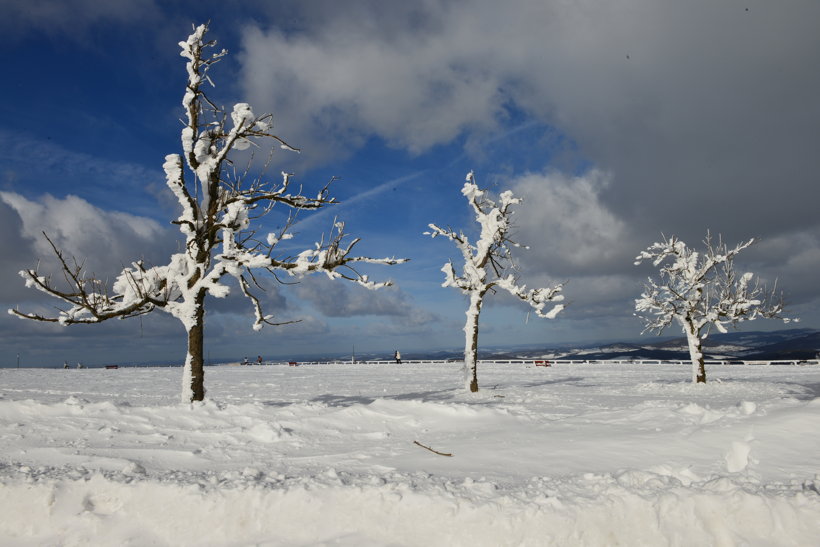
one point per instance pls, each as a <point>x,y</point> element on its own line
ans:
<point>471,341</point>
<point>193,378</point>
<point>695,354</point>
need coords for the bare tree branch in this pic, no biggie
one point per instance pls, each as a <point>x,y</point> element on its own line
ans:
<point>218,204</point>
<point>488,265</point>
<point>700,291</point>
<point>433,451</point>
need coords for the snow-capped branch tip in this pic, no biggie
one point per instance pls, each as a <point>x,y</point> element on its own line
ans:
<point>488,265</point>
<point>218,204</point>
<point>700,291</point>
<point>333,258</point>
<point>536,298</point>
<point>280,194</point>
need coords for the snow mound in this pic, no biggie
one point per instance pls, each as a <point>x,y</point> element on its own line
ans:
<point>402,455</point>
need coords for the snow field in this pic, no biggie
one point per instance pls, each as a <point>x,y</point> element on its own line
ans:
<point>313,455</point>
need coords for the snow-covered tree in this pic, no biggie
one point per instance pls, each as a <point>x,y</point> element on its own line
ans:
<point>488,266</point>
<point>218,206</point>
<point>698,290</point>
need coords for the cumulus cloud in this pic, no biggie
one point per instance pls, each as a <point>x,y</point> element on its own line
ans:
<point>692,115</point>
<point>573,237</point>
<point>41,164</point>
<point>338,299</point>
<point>566,225</point>
<point>104,241</point>
<point>792,260</point>
<point>696,115</point>
<point>695,108</point>
<point>15,251</point>
<point>337,86</point>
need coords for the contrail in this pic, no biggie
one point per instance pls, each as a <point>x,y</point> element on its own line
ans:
<point>362,196</point>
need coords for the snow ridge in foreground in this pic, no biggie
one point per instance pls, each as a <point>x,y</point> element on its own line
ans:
<point>595,510</point>
<point>572,455</point>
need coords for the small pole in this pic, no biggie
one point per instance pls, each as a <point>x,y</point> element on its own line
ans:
<point>18,360</point>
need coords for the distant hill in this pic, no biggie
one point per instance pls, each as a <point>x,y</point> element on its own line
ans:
<point>788,344</point>
<point>785,344</point>
<point>806,346</point>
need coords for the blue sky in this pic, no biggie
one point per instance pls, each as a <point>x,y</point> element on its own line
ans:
<point>615,123</point>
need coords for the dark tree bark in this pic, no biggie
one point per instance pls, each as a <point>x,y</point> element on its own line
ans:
<point>196,351</point>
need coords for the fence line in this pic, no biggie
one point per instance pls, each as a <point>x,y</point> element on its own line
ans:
<point>549,362</point>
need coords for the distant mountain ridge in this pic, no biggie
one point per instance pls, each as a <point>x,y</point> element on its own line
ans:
<point>791,344</point>
<point>788,344</point>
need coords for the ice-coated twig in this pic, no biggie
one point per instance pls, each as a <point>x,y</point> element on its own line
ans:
<point>700,290</point>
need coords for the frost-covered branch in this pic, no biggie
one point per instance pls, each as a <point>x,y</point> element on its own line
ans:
<point>217,207</point>
<point>259,315</point>
<point>488,265</point>
<point>536,298</point>
<point>87,297</point>
<point>700,290</point>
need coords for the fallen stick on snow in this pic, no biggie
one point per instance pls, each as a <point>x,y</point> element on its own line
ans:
<point>433,451</point>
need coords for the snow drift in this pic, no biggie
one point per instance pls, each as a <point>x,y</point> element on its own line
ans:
<point>312,455</point>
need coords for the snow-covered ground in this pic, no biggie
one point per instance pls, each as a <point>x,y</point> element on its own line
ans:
<point>327,455</point>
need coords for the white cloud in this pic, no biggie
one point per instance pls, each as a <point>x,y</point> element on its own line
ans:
<point>15,251</point>
<point>336,88</point>
<point>104,241</point>
<point>699,115</point>
<point>792,259</point>
<point>681,101</point>
<point>41,164</point>
<point>564,222</point>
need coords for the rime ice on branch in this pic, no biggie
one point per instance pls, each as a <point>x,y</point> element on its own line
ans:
<point>488,266</point>
<point>699,290</point>
<point>218,206</point>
